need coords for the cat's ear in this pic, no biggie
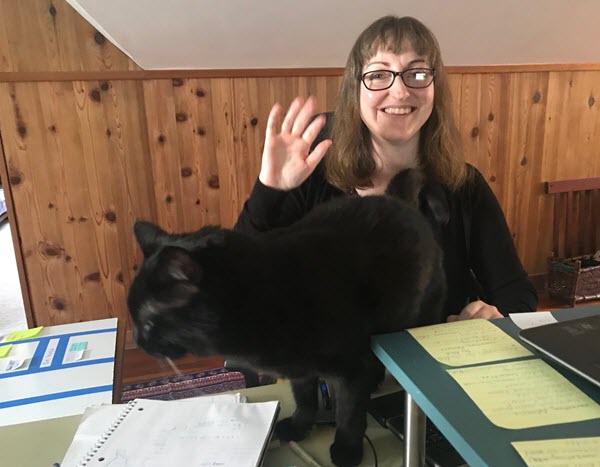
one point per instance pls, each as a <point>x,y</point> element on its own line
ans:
<point>176,263</point>
<point>148,236</point>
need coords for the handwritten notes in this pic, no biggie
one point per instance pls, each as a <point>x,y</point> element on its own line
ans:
<point>576,452</point>
<point>21,335</point>
<point>506,393</point>
<point>4,349</point>
<point>468,342</point>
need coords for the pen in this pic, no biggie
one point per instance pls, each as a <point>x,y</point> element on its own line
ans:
<point>172,365</point>
<point>302,454</point>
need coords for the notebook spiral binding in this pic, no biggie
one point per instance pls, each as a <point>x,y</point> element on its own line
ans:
<point>109,431</point>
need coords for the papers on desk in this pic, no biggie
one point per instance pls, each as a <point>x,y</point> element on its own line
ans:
<point>560,452</point>
<point>468,342</point>
<point>218,430</point>
<point>525,394</point>
<point>533,319</point>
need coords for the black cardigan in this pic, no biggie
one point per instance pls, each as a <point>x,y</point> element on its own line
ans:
<point>490,256</point>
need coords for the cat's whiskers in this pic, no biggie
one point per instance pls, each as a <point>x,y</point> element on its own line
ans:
<point>173,366</point>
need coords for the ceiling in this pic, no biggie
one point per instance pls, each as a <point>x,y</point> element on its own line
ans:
<point>235,34</point>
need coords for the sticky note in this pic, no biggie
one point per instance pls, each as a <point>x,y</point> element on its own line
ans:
<point>509,394</point>
<point>468,342</point>
<point>560,452</point>
<point>22,335</point>
<point>77,346</point>
<point>4,349</point>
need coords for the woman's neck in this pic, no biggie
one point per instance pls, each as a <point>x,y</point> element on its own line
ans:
<point>390,159</point>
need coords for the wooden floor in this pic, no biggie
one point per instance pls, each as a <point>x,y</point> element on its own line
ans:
<point>138,366</point>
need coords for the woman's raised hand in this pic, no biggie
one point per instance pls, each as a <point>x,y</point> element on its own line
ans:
<point>286,161</point>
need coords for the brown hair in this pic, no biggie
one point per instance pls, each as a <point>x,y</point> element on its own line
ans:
<point>349,162</point>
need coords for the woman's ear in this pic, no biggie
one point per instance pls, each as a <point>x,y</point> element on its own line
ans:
<point>148,236</point>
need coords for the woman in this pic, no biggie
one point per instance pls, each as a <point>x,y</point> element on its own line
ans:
<point>394,113</point>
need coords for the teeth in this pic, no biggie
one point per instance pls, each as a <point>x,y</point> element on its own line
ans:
<point>398,111</point>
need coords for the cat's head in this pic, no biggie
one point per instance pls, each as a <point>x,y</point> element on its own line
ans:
<point>165,298</point>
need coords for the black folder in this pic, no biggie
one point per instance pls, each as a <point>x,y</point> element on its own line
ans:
<point>574,344</point>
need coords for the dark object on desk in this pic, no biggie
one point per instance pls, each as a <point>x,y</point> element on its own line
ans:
<point>574,344</point>
<point>388,410</point>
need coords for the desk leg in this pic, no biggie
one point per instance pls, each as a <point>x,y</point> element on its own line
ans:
<point>414,433</point>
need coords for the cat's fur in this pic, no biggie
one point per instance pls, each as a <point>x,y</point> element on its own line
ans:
<point>298,302</point>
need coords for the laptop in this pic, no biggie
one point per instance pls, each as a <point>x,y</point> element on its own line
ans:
<point>574,344</point>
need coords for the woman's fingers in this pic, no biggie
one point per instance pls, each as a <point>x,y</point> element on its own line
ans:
<point>315,157</point>
<point>306,113</point>
<point>313,129</point>
<point>273,121</point>
<point>292,113</point>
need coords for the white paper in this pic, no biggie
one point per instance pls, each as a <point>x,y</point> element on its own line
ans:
<point>74,356</point>
<point>49,353</point>
<point>14,364</point>
<point>533,319</point>
<point>97,419</point>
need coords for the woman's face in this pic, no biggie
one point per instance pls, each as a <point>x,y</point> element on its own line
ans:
<point>395,115</point>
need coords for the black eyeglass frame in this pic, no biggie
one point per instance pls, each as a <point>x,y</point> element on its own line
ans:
<point>401,74</point>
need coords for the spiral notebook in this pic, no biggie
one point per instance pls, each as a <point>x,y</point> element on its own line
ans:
<point>187,432</point>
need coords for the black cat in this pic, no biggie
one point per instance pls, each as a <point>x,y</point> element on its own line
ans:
<point>298,302</point>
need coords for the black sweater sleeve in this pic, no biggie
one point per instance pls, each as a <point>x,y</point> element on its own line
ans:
<point>493,256</point>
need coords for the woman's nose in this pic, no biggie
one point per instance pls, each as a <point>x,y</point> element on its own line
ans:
<point>398,88</point>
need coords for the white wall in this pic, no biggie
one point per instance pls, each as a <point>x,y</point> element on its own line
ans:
<point>222,34</point>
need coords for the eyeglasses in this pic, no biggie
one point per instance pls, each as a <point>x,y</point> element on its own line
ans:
<point>378,80</point>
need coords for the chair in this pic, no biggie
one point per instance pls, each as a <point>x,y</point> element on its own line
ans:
<point>573,270</point>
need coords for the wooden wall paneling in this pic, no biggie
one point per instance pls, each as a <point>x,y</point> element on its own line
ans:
<point>164,153</point>
<point>41,35</point>
<point>225,134</point>
<point>527,208</point>
<point>189,100</point>
<point>571,135</point>
<point>455,85</point>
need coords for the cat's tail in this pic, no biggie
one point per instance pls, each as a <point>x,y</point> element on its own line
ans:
<point>407,185</point>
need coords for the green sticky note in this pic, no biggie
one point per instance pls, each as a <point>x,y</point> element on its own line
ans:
<point>22,335</point>
<point>77,346</point>
<point>4,349</point>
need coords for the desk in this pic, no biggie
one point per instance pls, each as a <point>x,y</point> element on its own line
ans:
<point>431,389</point>
<point>39,444</point>
<point>47,386</point>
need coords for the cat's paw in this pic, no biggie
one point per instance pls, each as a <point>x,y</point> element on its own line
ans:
<point>286,430</point>
<point>346,455</point>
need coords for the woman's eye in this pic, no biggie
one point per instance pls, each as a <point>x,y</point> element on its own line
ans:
<point>378,76</point>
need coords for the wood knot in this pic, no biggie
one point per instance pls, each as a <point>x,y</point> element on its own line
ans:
<point>200,93</point>
<point>68,259</point>
<point>186,172</point>
<point>213,181</point>
<point>58,304</point>
<point>104,86</point>
<point>493,178</point>
<point>52,11</point>
<point>475,132</point>
<point>82,219</point>
<point>95,95</point>
<point>177,82</point>
<point>108,132</point>
<point>201,131</point>
<point>491,117</point>
<point>197,202</point>
<point>110,216</point>
<point>52,128</point>
<point>254,121</point>
<point>161,139</point>
<point>591,101</point>
<point>93,277</point>
<point>99,38</point>
<point>524,161</point>
<point>22,129</point>
<point>181,116</point>
<point>49,250</point>
<point>168,199</point>
<point>119,277</point>
<point>536,97</point>
<point>15,179</point>
<point>50,205</point>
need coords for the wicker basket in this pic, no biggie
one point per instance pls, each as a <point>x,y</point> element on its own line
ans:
<point>574,279</point>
